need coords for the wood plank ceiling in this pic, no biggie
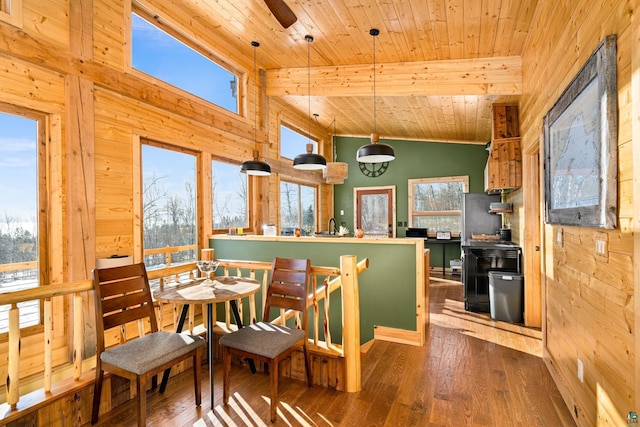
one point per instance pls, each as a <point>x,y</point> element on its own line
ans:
<point>440,64</point>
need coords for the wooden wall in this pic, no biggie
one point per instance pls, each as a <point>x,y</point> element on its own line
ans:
<point>589,310</point>
<point>68,61</point>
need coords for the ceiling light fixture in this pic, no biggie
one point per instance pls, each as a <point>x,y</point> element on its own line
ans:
<point>255,167</point>
<point>375,152</point>
<point>309,160</point>
<point>336,171</point>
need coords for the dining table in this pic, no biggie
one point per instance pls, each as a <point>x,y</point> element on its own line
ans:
<point>208,292</point>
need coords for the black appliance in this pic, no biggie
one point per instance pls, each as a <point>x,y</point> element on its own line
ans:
<point>417,232</point>
<point>478,259</point>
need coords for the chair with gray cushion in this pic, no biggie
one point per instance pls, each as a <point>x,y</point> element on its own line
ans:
<point>122,296</point>
<point>268,342</point>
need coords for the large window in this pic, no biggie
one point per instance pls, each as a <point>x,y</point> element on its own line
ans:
<point>169,206</point>
<point>436,203</point>
<point>229,196</point>
<point>160,55</point>
<point>297,208</point>
<point>293,143</point>
<point>19,206</point>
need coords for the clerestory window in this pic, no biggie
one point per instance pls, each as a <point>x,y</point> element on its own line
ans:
<point>181,63</point>
<point>293,143</point>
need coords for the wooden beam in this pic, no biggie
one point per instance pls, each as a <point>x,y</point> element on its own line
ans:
<point>478,76</point>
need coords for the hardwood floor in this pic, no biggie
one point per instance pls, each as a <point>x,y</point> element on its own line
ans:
<point>473,371</point>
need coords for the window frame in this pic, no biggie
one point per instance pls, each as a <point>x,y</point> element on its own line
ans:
<point>11,12</point>
<point>197,205</point>
<point>309,139</point>
<point>299,183</point>
<point>249,206</point>
<point>46,205</point>
<point>464,179</point>
<point>174,30</point>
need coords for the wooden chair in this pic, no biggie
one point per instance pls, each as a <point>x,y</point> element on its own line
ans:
<point>268,342</point>
<point>122,295</point>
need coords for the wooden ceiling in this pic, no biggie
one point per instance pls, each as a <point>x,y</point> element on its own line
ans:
<point>440,64</point>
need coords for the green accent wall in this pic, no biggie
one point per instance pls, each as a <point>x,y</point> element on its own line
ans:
<point>414,159</point>
<point>387,289</point>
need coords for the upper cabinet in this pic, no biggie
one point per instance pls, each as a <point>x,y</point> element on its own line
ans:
<point>504,165</point>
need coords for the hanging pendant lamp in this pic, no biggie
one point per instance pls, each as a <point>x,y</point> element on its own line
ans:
<point>309,160</point>
<point>336,171</point>
<point>375,152</point>
<point>255,167</point>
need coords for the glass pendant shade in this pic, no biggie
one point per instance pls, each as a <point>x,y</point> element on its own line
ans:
<point>255,167</point>
<point>309,160</point>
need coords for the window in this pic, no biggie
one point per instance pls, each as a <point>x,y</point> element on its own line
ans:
<point>19,206</point>
<point>436,203</point>
<point>10,12</point>
<point>293,143</point>
<point>160,55</point>
<point>297,208</point>
<point>229,196</point>
<point>169,206</point>
<point>375,210</point>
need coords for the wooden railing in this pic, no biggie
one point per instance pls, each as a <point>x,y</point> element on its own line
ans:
<point>331,279</point>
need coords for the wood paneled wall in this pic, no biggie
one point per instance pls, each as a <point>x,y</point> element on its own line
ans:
<point>589,311</point>
<point>68,62</point>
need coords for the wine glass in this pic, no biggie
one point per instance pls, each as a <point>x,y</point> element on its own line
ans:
<point>206,267</point>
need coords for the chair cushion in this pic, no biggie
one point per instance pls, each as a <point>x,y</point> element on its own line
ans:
<point>264,339</point>
<point>144,354</point>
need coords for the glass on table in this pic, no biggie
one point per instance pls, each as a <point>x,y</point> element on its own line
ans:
<point>207,267</point>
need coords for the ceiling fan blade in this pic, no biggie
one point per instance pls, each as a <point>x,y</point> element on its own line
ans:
<point>282,12</point>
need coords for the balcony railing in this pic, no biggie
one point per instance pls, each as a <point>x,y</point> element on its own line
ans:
<point>55,377</point>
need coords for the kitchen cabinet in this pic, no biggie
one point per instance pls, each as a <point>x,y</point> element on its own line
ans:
<point>504,165</point>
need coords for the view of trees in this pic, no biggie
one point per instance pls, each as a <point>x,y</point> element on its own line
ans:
<point>16,243</point>
<point>229,207</point>
<point>297,208</point>
<point>442,201</point>
<point>169,219</point>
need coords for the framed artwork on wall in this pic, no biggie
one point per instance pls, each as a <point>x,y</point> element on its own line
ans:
<point>580,146</point>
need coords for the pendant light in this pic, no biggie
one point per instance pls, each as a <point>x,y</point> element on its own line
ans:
<point>309,160</point>
<point>255,166</point>
<point>375,152</point>
<point>336,171</point>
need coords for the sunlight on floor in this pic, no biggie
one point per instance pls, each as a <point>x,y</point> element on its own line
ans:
<point>451,314</point>
<point>221,416</point>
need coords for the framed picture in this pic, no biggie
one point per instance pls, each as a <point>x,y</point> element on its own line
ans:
<point>580,146</point>
<point>443,235</point>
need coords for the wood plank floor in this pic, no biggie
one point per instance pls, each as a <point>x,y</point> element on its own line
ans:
<point>473,371</point>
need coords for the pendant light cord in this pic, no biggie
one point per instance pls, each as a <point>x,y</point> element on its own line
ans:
<point>374,34</point>
<point>255,97</point>
<point>309,39</point>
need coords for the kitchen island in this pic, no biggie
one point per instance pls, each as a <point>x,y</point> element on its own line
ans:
<point>394,290</point>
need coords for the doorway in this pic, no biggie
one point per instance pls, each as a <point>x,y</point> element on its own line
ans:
<point>375,210</point>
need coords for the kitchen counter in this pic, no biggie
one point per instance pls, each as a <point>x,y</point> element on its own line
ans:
<point>394,290</point>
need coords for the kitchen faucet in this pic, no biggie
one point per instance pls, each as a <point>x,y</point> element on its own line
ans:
<point>331,220</point>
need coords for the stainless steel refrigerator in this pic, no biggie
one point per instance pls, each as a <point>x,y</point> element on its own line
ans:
<point>476,218</point>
